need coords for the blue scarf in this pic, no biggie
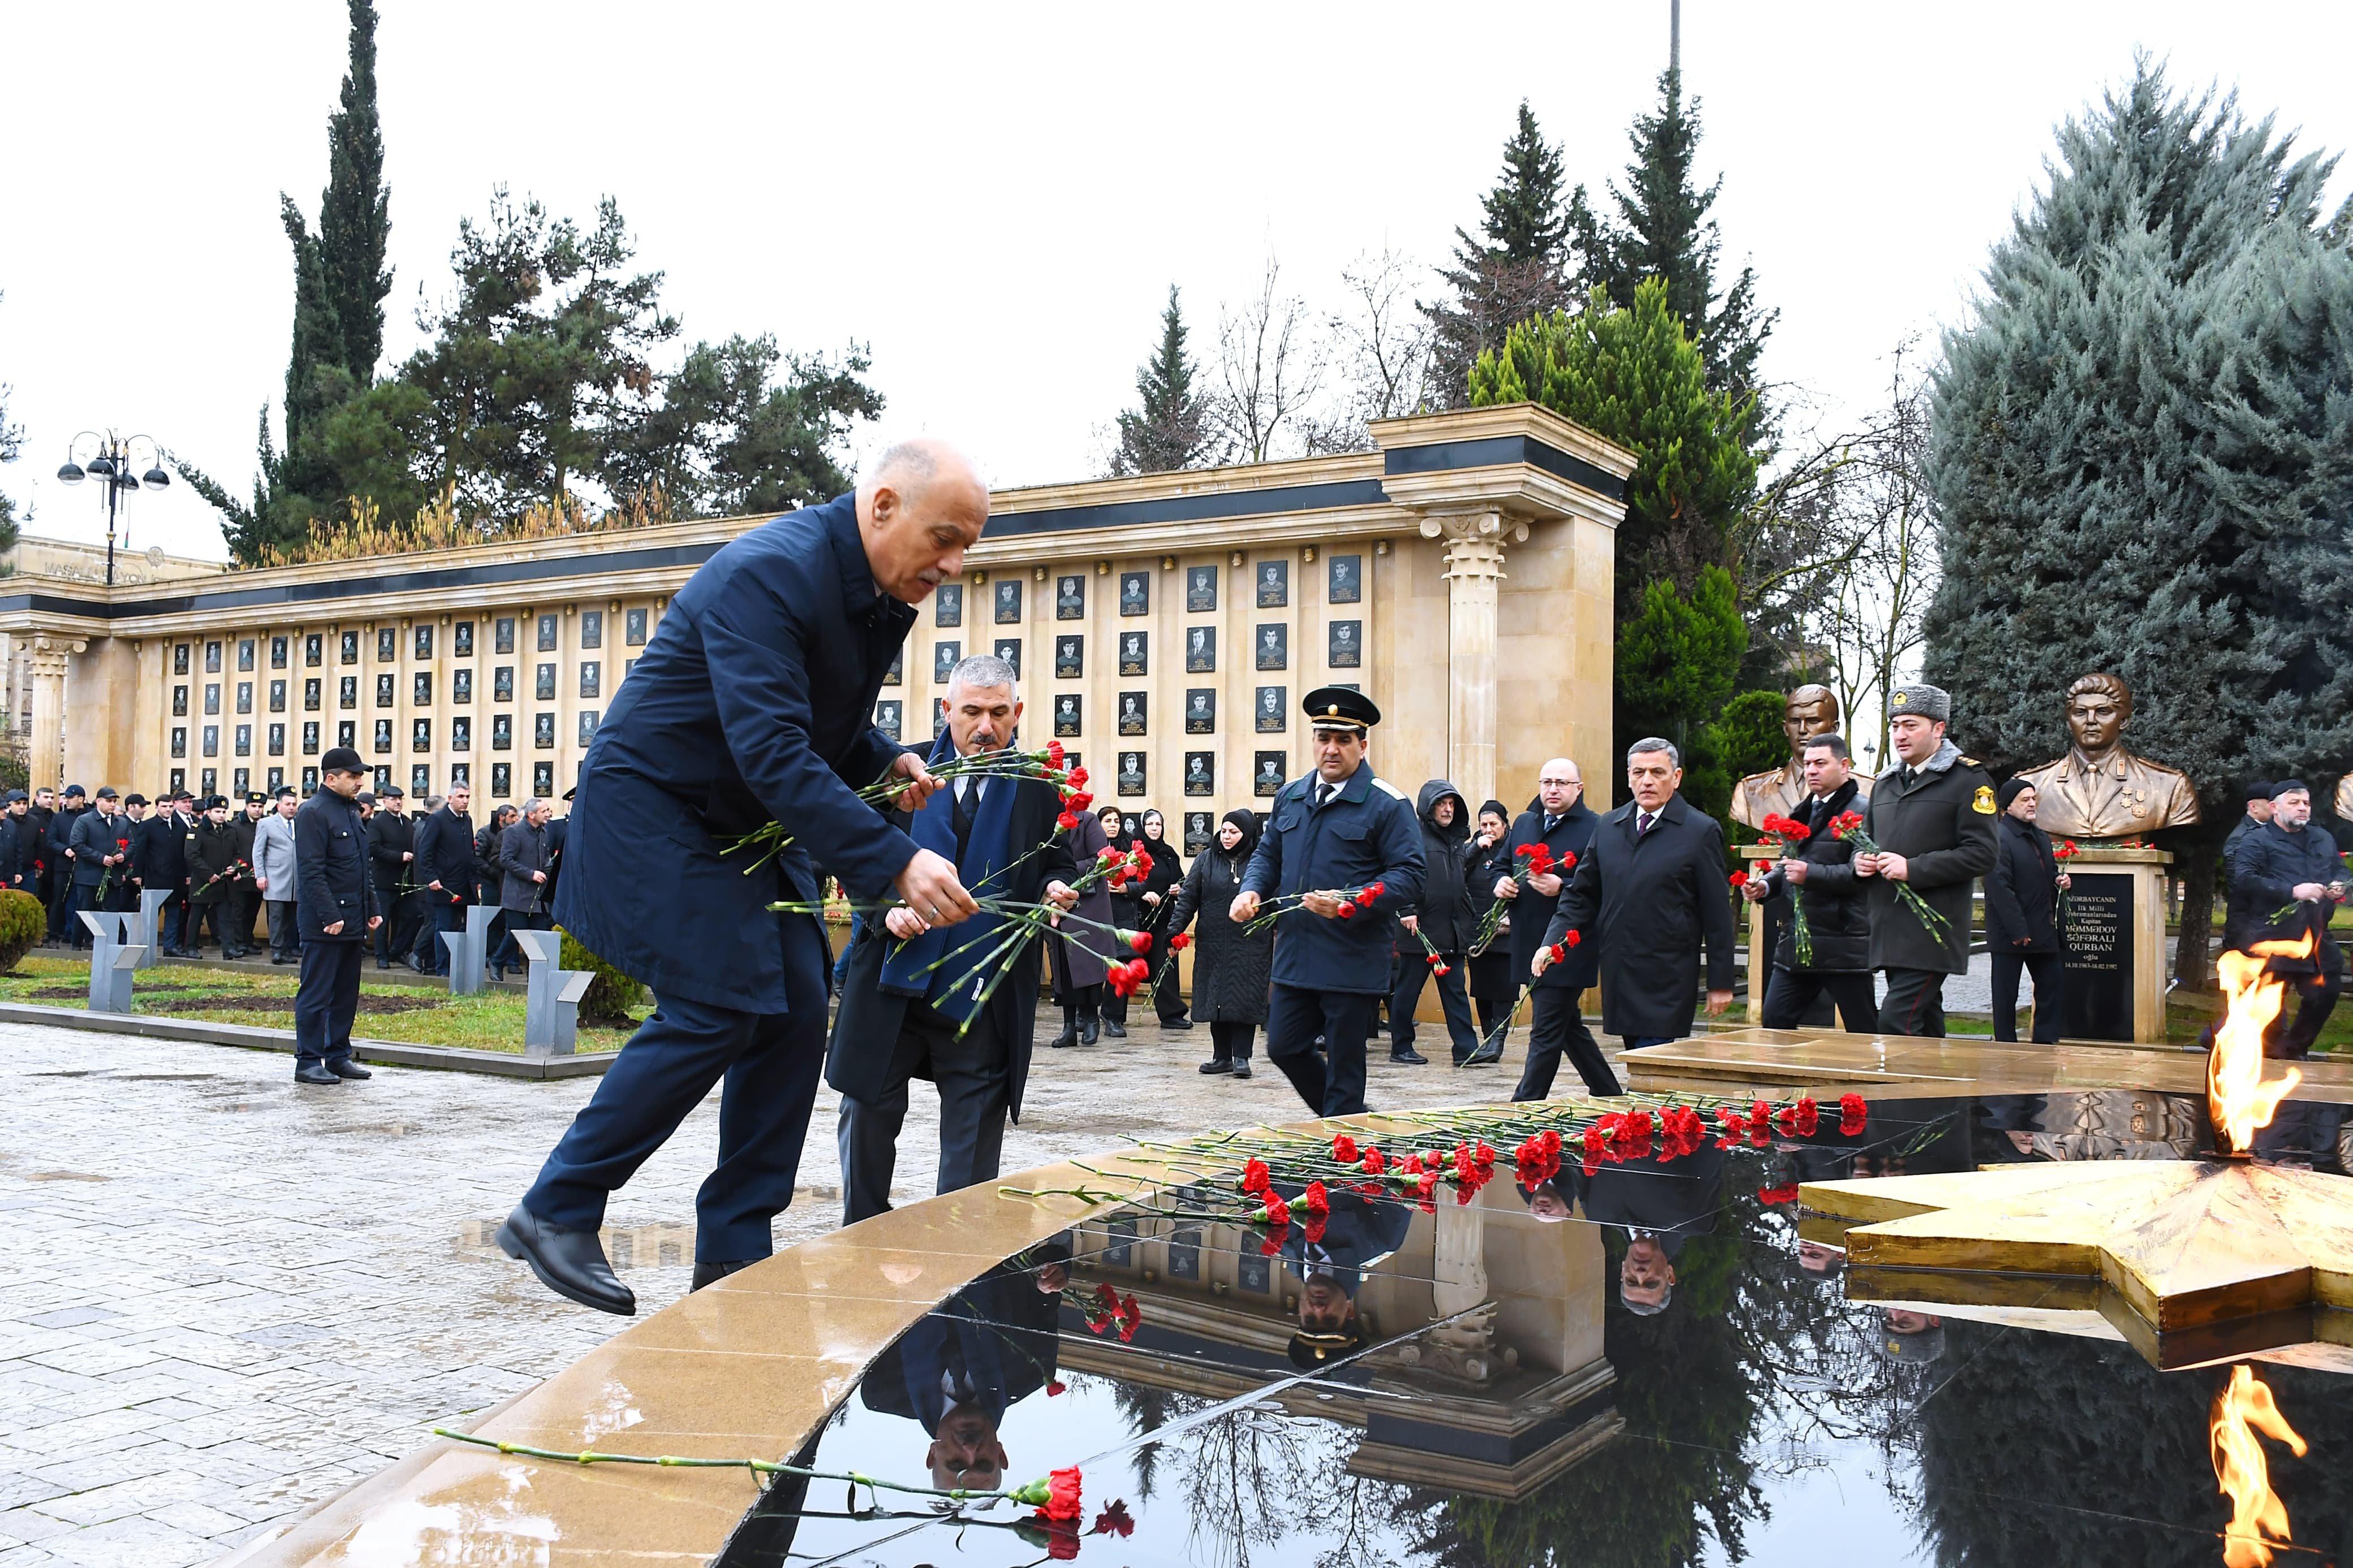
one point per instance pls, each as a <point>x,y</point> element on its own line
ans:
<point>987,854</point>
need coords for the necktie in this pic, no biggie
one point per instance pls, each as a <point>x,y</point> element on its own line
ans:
<point>1324,793</point>
<point>966,802</point>
<point>1550,823</point>
<point>1642,825</point>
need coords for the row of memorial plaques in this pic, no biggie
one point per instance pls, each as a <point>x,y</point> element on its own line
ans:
<point>1344,585</point>
<point>634,633</point>
<point>1343,649</point>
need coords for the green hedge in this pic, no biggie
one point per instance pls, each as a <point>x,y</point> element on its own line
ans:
<point>611,994</point>
<point>23,923</point>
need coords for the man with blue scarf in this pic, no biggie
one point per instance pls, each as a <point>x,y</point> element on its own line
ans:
<point>912,1005</point>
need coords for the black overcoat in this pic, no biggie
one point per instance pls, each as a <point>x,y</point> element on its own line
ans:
<point>1365,835</point>
<point>2022,895</point>
<point>1231,966</point>
<point>1653,908</point>
<point>1532,911</point>
<point>332,877</point>
<point>1081,952</point>
<point>2271,864</point>
<point>445,854</point>
<point>1492,976</point>
<point>753,704</point>
<point>1942,823</point>
<point>1838,913</point>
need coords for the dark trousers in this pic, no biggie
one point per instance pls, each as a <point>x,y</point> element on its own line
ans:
<point>2047,970</point>
<point>77,899</point>
<point>239,905</point>
<point>214,915</point>
<point>60,897</point>
<point>447,917</point>
<point>769,1063</point>
<point>172,922</point>
<point>1294,1017</point>
<point>1231,1042</point>
<point>397,936</point>
<point>1914,1005</point>
<point>1556,1028</point>
<point>327,1000</point>
<point>510,955</point>
<point>285,936</point>
<point>2318,993</point>
<point>1791,994</point>
<point>973,1076</point>
<point>1452,997</point>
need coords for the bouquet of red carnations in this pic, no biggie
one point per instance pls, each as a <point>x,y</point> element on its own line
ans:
<point>1847,827</point>
<point>1793,834</point>
<point>1535,861</point>
<point>1047,763</point>
<point>1351,900</point>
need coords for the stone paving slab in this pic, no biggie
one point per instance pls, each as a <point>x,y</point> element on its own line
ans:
<point>232,1295</point>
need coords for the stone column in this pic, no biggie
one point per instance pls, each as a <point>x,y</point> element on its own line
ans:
<point>1474,575</point>
<point>45,751</point>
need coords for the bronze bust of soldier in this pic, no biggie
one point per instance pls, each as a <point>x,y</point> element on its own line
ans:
<point>1811,710</point>
<point>2101,789</point>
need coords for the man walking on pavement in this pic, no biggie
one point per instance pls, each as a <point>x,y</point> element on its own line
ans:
<point>1564,825</point>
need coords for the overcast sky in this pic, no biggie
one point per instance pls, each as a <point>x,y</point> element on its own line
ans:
<point>997,197</point>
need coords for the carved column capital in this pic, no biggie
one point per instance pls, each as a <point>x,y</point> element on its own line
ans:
<point>48,655</point>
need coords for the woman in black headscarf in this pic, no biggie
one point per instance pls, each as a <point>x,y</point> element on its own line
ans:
<point>1231,966</point>
<point>1494,990</point>
<point>1159,899</point>
<point>1127,913</point>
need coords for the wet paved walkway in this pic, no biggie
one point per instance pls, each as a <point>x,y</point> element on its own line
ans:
<point>230,1296</point>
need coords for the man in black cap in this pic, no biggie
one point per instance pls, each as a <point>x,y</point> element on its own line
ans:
<point>1932,819</point>
<point>33,843</point>
<point>2289,869</point>
<point>244,901</point>
<point>1342,849</point>
<point>212,877</point>
<point>101,856</point>
<point>15,865</point>
<point>1358,1235</point>
<point>335,904</point>
<point>75,806</point>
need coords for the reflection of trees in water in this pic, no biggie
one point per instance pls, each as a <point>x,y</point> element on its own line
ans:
<point>1254,1475</point>
<point>2047,1444</point>
<point>1147,1410</point>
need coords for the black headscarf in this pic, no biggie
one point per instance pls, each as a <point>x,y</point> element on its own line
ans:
<point>1246,819</point>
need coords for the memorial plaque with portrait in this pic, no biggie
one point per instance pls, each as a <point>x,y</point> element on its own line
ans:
<point>939,717</point>
<point>1008,603</point>
<point>945,656</point>
<point>1132,712</point>
<point>947,605</point>
<point>1344,581</point>
<point>461,685</point>
<point>1070,657</point>
<point>1200,772</point>
<point>633,627</point>
<point>897,674</point>
<point>1131,773</point>
<point>388,646</point>
<point>1200,589</point>
<point>350,651</point>
<point>1266,773</point>
<point>1197,832</point>
<point>1069,598</point>
<point>1135,592</point>
<point>1009,650</point>
<point>1066,714</point>
<point>542,731</point>
<point>1134,649</point>
<point>421,735</point>
<point>1274,713</point>
<point>1200,712</point>
<point>277,653</point>
<point>1273,647</point>
<point>383,738</point>
<point>1200,651</point>
<point>1345,647</point>
<point>1273,584</point>
<point>887,716</point>
<point>461,639</point>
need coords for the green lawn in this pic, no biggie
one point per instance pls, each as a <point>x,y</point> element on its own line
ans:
<point>490,1020</point>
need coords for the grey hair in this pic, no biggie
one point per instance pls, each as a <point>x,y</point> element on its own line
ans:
<point>1647,1310</point>
<point>1653,743</point>
<point>982,670</point>
<point>911,463</point>
<point>1831,739</point>
<point>533,803</point>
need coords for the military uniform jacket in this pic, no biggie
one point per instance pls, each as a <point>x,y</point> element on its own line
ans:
<point>753,704</point>
<point>1653,907</point>
<point>242,830</point>
<point>1366,834</point>
<point>212,849</point>
<point>2271,863</point>
<point>331,870</point>
<point>1942,823</point>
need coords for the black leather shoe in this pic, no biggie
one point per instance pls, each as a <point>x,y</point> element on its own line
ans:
<point>569,1262</point>
<point>1410,1058</point>
<point>1217,1065</point>
<point>1113,1030</point>
<point>1485,1057</point>
<point>1088,1032</point>
<point>280,958</point>
<point>384,963</point>
<point>417,964</point>
<point>498,975</point>
<point>1064,1040</point>
<point>1175,1023</point>
<point>312,1072</point>
<point>1241,1069</point>
<point>348,1070</point>
<point>712,1273</point>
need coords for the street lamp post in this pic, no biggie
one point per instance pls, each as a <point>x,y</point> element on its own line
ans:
<point>112,466</point>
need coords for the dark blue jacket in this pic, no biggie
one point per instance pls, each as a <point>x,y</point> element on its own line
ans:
<point>1367,834</point>
<point>95,836</point>
<point>753,704</point>
<point>2271,864</point>
<point>332,878</point>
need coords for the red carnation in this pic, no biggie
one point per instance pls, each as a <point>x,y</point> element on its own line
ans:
<point>1081,801</point>
<point>1180,942</point>
<point>1315,1200</point>
<point>1739,879</point>
<point>1068,820</point>
<point>1343,1149</point>
<point>1054,753</point>
<point>1347,910</point>
<point>1375,1161</point>
<point>1852,1112</point>
<point>1808,1117</point>
<point>1078,776</point>
<point>1787,1195</point>
<point>1254,1176</point>
<point>1062,1494</point>
<point>1140,940</point>
<point>1276,1216</point>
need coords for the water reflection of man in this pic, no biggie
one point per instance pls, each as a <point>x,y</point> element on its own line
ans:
<point>1360,1233</point>
<point>1657,1204</point>
<point>1911,1338</point>
<point>971,1358</point>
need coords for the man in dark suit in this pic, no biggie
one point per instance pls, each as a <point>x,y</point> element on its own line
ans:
<point>392,854</point>
<point>1358,1233</point>
<point>160,853</point>
<point>2290,867</point>
<point>62,857</point>
<point>335,902</point>
<point>754,704</point>
<point>1818,880</point>
<point>100,842</point>
<point>1932,818</point>
<point>920,988</point>
<point>15,865</point>
<point>1651,889</point>
<point>1560,821</point>
<point>1338,830</point>
<point>446,869</point>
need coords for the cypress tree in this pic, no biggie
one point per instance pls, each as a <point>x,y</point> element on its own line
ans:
<point>1513,272</point>
<point>2139,450</point>
<point>354,212</point>
<point>1662,230</point>
<point>1170,428</point>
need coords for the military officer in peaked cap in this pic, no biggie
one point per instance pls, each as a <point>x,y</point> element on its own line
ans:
<point>1343,851</point>
<point>1932,816</point>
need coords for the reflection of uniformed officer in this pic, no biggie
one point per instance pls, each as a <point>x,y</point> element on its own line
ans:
<point>1335,831</point>
<point>1359,1233</point>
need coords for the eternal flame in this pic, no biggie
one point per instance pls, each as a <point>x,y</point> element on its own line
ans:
<point>1811,710</point>
<point>2101,790</point>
